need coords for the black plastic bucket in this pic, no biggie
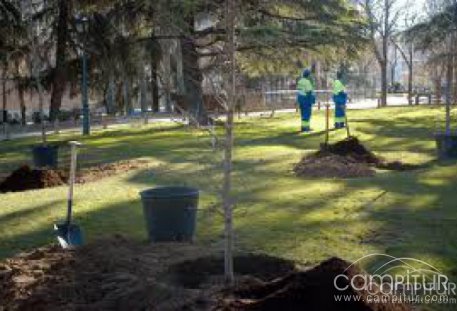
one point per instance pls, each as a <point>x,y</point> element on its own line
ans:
<point>170,213</point>
<point>46,156</point>
<point>446,145</point>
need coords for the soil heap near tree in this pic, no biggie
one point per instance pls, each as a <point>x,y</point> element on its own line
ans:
<point>25,178</point>
<point>122,274</point>
<point>347,158</point>
<point>315,289</point>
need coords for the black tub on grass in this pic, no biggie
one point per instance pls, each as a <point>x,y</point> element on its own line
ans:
<point>170,213</point>
<point>45,156</point>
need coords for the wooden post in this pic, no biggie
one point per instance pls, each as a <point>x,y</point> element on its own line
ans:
<point>347,124</point>
<point>327,120</point>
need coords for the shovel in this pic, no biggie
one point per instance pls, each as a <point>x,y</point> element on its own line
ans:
<point>68,234</point>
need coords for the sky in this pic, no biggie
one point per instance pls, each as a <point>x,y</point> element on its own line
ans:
<point>416,6</point>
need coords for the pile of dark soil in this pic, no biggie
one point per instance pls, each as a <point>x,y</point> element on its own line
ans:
<point>111,274</point>
<point>121,274</point>
<point>311,290</point>
<point>333,166</point>
<point>351,148</point>
<point>347,158</point>
<point>25,178</point>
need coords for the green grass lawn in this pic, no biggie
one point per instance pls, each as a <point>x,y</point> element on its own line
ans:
<point>276,212</point>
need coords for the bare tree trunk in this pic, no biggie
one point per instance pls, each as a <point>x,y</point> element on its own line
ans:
<point>111,95</point>
<point>193,81</point>
<point>393,67</point>
<point>385,50</point>
<point>449,78</point>
<point>155,82</point>
<point>410,73</point>
<point>143,91</point>
<point>126,96</point>
<point>438,90</point>
<point>4,99</point>
<point>193,77</point>
<point>410,84</point>
<point>454,70</point>
<point>119,99</point>
<point>41,107</point>
<point>229,138</point>
<point>408,58</point>
<point>20,91</point>
<point>383,84</point>
<point>60,75</point>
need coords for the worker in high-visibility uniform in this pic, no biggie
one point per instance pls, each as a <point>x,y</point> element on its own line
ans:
<point>305,99</point>
<point>340,100</point>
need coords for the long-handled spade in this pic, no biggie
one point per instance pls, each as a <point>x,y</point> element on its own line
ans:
<point>69,234</point>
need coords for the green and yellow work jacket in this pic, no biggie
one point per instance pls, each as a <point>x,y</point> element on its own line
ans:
<point>338,87</point>
<point>304,86</point>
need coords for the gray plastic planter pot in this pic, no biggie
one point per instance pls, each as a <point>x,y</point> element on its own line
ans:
<point>45,156</point>
<point>170,213</point>
<point>446,145</point>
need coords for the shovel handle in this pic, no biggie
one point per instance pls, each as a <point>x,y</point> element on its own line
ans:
<point>73,160</point>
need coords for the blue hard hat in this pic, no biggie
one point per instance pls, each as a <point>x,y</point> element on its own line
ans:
<point>306,73</point>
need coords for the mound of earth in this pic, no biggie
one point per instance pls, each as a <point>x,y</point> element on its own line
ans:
<point>347,158</point>
<point>121,274</point>
<point>313,289</point>
<point>25,178</point>
<point>333,166</point>
<point>350,148</point>
<point>111,274</point>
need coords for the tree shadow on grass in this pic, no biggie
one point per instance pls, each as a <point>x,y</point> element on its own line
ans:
<point>279,227</point>
<point>13,243</point>
<point>400,228</point>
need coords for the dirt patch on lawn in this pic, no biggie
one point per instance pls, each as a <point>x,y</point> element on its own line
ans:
<point>121,274</point>
<point>333,166</point>
<point>313,289</point>
<point>25,178</point>
<point>347,158</point>
<point>111,274</point>
<point>100,171</point>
